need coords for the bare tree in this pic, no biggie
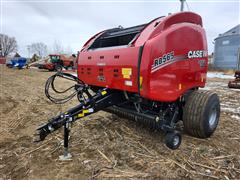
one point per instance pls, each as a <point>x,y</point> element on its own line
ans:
<point>39,49</point>
<point>68,50</point>
<point>7,45</point>
<point>57,47</point>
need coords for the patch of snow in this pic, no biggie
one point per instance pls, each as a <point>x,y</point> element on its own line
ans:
<point>32,67</point>
<point>219,75</point>
<point>206,88</point>
<point>235,117</point>
<point>215,86</point>
<point>73,73</point>
<point>229,109</point>
<point>228,103</point>
<point>232,89</point>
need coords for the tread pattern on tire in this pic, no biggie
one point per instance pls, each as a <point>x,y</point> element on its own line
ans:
<point>193,113</point>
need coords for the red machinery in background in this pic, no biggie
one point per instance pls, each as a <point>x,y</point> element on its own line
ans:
<point>57,62</point>
<point>149,73</point>
<point>2,60</point>
<point>236,82</point>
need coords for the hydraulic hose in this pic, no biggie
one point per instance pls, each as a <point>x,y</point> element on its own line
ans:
<point>50,85</point>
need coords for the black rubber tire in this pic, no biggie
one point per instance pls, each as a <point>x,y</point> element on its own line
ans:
<point>197,112</point>
<point>170,140</point>
<point>58,67</point>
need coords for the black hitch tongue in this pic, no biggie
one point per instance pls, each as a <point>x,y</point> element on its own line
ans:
<point>101,100</point>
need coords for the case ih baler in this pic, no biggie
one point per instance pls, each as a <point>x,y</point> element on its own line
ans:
<point>150,73</point>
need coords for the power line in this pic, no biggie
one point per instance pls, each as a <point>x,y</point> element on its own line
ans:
<point>188,6</point>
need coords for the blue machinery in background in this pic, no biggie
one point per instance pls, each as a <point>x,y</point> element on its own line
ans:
<point>17,62</point>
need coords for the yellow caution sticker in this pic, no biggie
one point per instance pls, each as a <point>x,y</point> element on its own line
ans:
<point>104,92</point>
<point>81,115</point>
<point>126,72</point>
<point>85,111</point>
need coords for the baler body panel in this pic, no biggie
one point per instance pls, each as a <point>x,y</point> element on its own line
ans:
<point>170,80</point>
<point>116,68</point>
<point>165,58</point>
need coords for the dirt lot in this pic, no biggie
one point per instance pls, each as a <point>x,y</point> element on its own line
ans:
<point>105,146</point>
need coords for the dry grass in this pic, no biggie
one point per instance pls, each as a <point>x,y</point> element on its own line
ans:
<point>105,146</point>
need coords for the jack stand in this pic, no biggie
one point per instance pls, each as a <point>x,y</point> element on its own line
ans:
<point>66,155</point>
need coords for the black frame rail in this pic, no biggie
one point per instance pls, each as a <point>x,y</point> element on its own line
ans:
<point>102,99</point>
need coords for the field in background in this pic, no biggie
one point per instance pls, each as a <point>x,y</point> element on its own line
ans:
<point>104,145</point>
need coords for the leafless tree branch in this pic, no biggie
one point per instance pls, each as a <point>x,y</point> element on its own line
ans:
<point>7,45</point>
<point>38,48</point>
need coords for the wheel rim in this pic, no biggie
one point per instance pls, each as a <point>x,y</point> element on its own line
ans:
<point>213,118</point>
<point>59,68</point>
<point>176,140</point>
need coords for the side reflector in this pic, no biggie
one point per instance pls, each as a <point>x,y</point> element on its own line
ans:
<point>141,80</point>
<point>180,86</point>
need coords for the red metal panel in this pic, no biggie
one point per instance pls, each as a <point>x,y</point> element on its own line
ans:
<point>108,64</point>
<point>170,81</point>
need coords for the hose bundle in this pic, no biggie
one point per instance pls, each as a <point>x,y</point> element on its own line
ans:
<point>50,84</point>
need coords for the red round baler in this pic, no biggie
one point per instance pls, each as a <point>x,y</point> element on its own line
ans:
<point>149,73</point>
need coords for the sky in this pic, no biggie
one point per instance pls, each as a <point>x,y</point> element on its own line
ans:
<point>73,22</point>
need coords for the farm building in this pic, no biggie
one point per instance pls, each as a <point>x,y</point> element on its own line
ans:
<point>227,49</point>
<point>2,60</point>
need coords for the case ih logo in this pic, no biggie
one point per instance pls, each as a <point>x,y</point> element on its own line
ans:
<point>197,54</point>
<point>169,58</point>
